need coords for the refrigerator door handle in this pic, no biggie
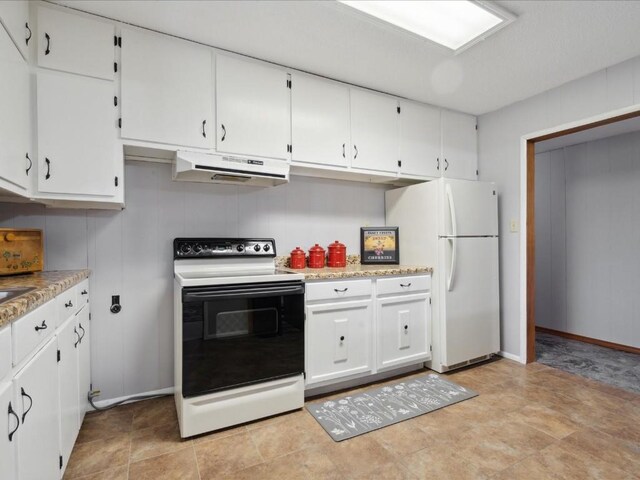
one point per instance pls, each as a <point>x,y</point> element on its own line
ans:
<point>452,210</point>
<point>452,270</point>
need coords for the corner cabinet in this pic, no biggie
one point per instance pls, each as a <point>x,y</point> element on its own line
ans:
<point>167,90</point>
<point>359,327</point>
<point>253,109</point>
<point>459,146</point>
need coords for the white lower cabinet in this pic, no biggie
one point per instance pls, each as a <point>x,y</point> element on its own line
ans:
<point>37,405</point>
<point>9,425</point>
<point>359,327</point>
<point>84,363</point>
<point>403,325</point>
<point>68,344</point>
<point>339,340</point>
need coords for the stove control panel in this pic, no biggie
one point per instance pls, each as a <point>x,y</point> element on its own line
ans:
<point>223,247</point>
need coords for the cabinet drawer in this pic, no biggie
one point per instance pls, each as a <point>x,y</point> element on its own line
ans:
<point>337,290</point>
<point>68,304</point>
<point>5,351</point>
<point>414,283</point>
<point>82,290</point>
<point>25,335</point>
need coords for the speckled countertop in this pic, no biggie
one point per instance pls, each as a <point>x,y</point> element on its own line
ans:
<point>353,269</point>
<point>48,285</point>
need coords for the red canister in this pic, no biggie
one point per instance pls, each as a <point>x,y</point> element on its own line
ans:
<point>297,259</point>
<point>316,256</point>
<point>337,255</point>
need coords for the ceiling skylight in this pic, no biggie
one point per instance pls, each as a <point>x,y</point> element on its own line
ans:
<point>456,24</point>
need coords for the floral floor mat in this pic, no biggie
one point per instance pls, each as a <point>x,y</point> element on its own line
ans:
<point>353,415</point>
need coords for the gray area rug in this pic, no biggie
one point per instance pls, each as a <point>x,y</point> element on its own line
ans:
<point>620,369</point>
<point>380,407</point>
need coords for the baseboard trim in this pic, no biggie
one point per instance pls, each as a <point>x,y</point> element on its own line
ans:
<point>594,341</point>
<point>109,401</point>
<point>511,356</point>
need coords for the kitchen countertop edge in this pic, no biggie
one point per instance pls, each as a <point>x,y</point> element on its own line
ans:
<point>48,285</point>
<point>359,271</point>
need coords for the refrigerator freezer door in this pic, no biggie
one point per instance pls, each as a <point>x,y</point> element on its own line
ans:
<point>468,208</point>
<point>469,298</point>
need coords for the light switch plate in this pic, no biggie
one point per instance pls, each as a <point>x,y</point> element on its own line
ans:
<point>513,225</point>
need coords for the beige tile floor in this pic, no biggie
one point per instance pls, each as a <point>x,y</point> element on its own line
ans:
<point>530,422</point>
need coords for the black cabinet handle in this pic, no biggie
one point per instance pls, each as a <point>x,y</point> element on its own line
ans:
<point>48,162</point>
<point>405,285</point>
<point>342,338</point>
<point>204,134</point>
<point>11,412</point>
<point>224,132</point>
<point>406,327</point>
<point>356,149</point>
<point>68,304</point>
<point>25,394</point>
<point>84,292</point>
<point>446,164</point>
<point>75,330</point>
<point>30,164</point>
<point>343,153</point>
<point>438,163</point>
<point>338,290</point>
<point>41,327</point>
<point>48,50</point>
<point>26,25</point>
<point>84,332</point>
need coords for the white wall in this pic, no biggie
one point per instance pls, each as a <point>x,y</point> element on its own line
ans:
<point>587,237</point>
<point>499,136</point>
<point>130,252</point>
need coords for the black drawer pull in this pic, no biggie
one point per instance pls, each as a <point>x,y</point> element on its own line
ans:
<point>75,330</point>
<point>30,164</point>
<point>84,292</point>
<point>68,304</point>
<point>343,153</point>
<point>355,147</point>
<point>338,290</point>
<point>405,285</point>
<point>342,338</point>
<point>41,327</point>
<point>25,394</point>
<point>446,165</point>
<point>26,25</point>
<point>224,132</point>
<point>48,50</point>
<point>11,412</point>
<point>84,332</point>
<point>204,134</point>
<point>48,162</point>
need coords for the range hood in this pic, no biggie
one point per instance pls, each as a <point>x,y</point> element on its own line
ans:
<point>218,168</point>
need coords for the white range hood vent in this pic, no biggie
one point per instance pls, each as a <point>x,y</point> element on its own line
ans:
<point>217,168</point>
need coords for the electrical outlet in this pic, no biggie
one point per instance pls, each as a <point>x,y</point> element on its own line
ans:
<point>513,225</point>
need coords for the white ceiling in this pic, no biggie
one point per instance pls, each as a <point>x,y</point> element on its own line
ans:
<point>550,43</point>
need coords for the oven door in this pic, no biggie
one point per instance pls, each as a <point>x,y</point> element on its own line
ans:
<point>236,335</point>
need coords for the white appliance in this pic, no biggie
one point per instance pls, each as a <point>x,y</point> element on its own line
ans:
<point>239,333</point>
<point>452,225</point>
<point>217,168</point>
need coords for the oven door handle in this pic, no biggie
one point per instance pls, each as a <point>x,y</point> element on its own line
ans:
<point>241,292</point>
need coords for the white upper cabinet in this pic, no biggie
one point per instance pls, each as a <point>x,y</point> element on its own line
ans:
<point>419,139</point>
<point>319,121</point>
<point>76,44</point>
<point>374,131</point>
<point>167,90</point>
<point>15,17</point>
<point>15,157</point>
<point>459,146</point>
<point>253,109</point>
<point>76,135</point>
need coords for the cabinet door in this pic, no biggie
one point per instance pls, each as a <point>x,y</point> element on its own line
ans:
<point>76,44</point>
<point>9,426</point>
<point>459,146</point>
<point>419,139</point>
<point>14,115</point>
<point>76,135</point>
<point>319,121</point>
<point>374,131</point>
<point>338,340</point>
<point>84,362</point>
<point>167,90</point>
<point>68,345</point>
<point>36,387</point>
<point>15,17</point>
<point>404,325</point>
<point>252,109</point>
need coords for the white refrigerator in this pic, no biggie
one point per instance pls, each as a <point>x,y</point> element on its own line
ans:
<point>452,226</point>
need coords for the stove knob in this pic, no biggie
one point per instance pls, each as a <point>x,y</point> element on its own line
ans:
<point>266,248</point>
<point>240,248</point>
<point>256,247</point>
<point>197,248</point>
<point>185,248</point>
